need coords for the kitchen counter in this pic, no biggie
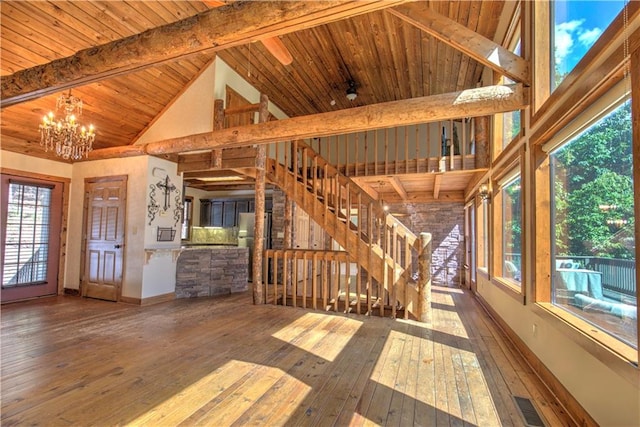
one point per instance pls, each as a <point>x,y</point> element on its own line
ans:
<point>209,270</point>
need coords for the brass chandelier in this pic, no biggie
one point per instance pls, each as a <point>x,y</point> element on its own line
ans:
<point>66,137</point>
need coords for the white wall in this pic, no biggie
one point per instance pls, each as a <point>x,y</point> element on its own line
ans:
<point>159,273</point>
<point>226,76</point>
<point>192,111</point>
<point>190,114</point>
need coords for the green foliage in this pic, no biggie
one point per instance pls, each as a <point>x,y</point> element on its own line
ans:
<point>592,171</point>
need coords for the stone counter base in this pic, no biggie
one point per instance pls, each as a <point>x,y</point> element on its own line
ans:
<point>212,271</point>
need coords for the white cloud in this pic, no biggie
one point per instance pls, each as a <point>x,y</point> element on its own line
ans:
<point>564,35</point>
<point>589,37</point>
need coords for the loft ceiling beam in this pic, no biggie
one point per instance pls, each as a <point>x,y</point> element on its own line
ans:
<point>397,185</point>
<point>466,103</point>
<point>465,40</point>
<point>436,184</point>
<point>212,30</point>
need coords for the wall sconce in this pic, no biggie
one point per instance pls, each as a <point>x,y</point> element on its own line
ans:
<point>483,192</point>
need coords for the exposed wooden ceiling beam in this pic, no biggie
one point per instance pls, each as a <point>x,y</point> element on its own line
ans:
<point>465,40</point>
<point>366,186</point>
<point>273,44</point>
<point>426,197</point>
<point>467,103</point>
<point>212,30</point>
<point>436,185</point>
<point>397,185</point>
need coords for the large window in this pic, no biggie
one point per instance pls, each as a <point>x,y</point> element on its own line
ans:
<point>576,25</point>
<point>593,242</point>
<point>483,234</point>
<point>512,230</point>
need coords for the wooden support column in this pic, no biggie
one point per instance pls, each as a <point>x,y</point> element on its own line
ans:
<point>482,141</point>
<point>218,124</point>
<point>258,242</point>
<point>424,278</point>
<point>288,238</point>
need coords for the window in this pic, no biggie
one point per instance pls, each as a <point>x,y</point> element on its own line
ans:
<point>27,235</point>
<point>575,27</point>
<point>507,125</point>
<point>592,210</point>
<point>510,194</point>
<point>483,235</point>
<point>187,218</point>
<point>31,217</point>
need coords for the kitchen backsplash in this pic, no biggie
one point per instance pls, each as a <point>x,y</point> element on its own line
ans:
<point>214,235</point>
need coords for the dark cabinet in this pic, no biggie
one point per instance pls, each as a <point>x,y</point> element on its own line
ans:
<point>225,213</point>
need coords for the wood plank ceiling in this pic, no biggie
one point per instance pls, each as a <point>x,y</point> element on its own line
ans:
<point>388,58</point>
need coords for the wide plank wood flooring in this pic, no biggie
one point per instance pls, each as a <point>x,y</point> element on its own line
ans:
<point>68,361</point>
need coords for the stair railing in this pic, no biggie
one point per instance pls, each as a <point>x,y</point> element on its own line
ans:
<point>383,249</point>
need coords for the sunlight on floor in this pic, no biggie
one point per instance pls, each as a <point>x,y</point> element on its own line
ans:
<point>225,392</point>
<point>296,333</point>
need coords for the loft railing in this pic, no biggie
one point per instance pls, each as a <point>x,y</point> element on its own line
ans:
<point>431,147</point>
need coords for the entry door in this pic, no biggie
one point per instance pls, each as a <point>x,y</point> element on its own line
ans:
<point>31,225</point>
<point>105,200</point>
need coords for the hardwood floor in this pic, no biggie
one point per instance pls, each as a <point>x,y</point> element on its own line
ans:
<point>222,361</point>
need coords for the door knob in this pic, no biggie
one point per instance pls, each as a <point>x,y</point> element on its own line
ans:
<point>117,246</point>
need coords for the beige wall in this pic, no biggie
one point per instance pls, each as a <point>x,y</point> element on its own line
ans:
<point>11,160</point>
<point>611,397</point>
<point>135,168</point>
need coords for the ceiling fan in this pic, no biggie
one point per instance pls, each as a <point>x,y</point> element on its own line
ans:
<point>273,44</point>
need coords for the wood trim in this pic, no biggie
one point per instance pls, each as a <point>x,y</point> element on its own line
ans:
<point>607,349</point>
<point>130,300</point>
<point>598,71</point>
<point>158,299</point>
<point>465,40</point>
<point>213,30</point>
<point>541,217</point>
<point>34,175</point>
<point>540,35</point>
<point>480,101</point>
<point>564,398</point>
<point>635,124</point>
<point>509,289</point>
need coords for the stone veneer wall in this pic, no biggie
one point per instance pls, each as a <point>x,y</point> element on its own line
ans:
<point>203,272</point>
<point>277,219</point>
<point>445,222</point>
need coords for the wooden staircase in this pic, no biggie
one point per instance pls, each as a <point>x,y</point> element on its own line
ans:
<point>383,249</point>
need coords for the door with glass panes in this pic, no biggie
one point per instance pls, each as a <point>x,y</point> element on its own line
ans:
<point>31,214</point>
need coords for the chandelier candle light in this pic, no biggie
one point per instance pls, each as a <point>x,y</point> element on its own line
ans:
<point>67,137</point>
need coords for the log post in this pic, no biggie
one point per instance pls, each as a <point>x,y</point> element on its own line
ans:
<point>482,141</point>
<point>288,236</point>
<point>218,124</point>
<point>424,278</point>
<point>261,155</point>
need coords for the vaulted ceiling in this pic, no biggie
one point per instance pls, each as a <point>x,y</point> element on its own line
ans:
<point>388,58</point>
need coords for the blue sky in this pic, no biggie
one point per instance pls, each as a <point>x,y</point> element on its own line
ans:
<point>578,26</point>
